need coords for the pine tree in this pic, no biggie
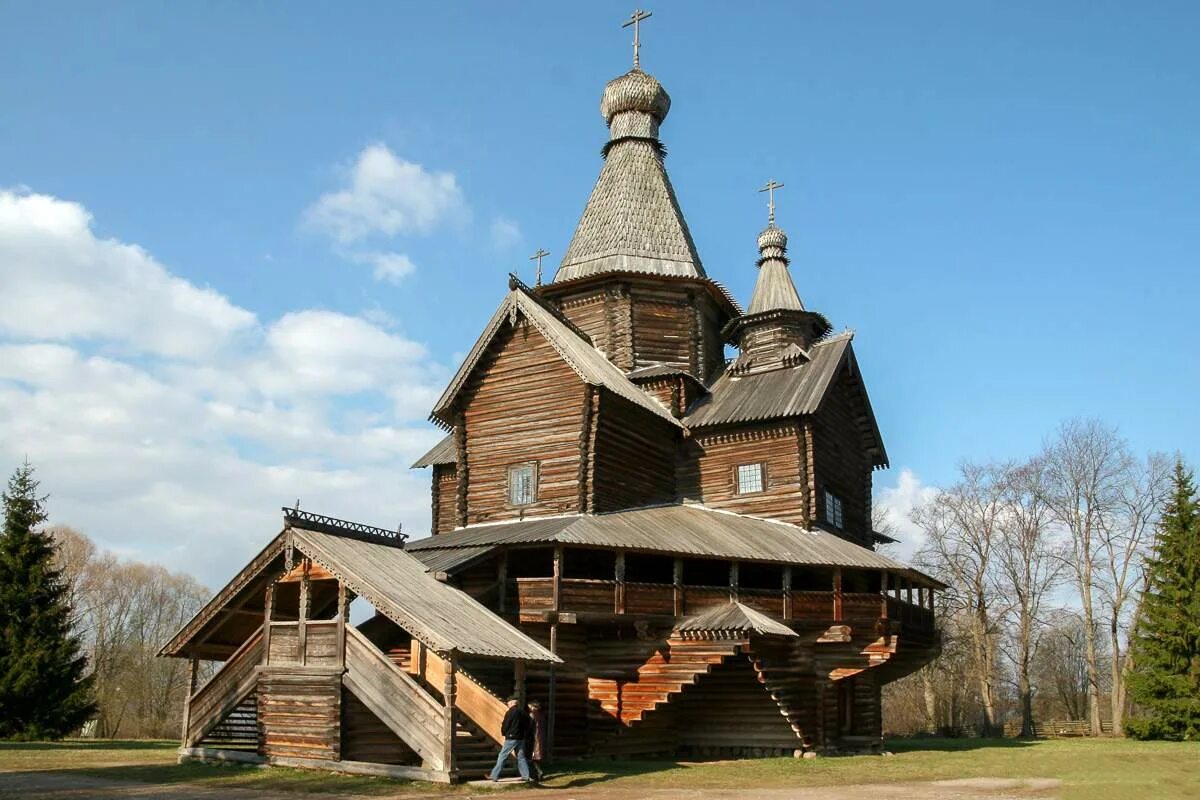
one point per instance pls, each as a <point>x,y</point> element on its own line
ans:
<point>44,693</point>
<point>1165,681</point>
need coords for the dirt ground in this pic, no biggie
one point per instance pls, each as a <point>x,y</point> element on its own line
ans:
<point>67,786</point>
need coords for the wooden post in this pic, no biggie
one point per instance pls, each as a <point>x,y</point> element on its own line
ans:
<point>519,681</point>
<point>449,693</point>
<point>787,592</point>
<point>343,611</point>
<point>193,668</point>
<point>268,605</point>
<point>619,589</point>
<point>883,576</point>
<point>733,581</point>
<point>304,602</point>
<point>552,701</point>
<point>557,581</point>
<point>677,581</point>
<point>502,579</point>
<point>837,594</point>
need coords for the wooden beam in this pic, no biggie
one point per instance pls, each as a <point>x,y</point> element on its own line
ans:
<point>502,579</point>
<point>619,589</point>
<point>305,601</point>
<point>837,594</point>
<point>787,592</point>
<point>557,580</point>
<point>677,585</point>
<point>268,607</point>
<point>193,668</point>
<point>343,612</point>
<point>448,721</point>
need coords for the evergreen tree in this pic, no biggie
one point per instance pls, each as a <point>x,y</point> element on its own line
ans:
<point>43,691</point>
<point>1165,681</point>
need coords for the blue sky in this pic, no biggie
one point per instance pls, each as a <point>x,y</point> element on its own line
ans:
<point>1002,199</point>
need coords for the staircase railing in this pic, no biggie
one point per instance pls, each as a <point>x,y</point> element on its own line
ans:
<point>471,697</point>
<point>398,700</point>
<point>229,687</point>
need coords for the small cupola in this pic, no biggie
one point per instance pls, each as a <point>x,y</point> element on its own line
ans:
<point>776,330</point>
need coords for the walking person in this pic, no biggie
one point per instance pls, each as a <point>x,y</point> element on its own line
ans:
<point>535,739</point>
<point>513,729</point>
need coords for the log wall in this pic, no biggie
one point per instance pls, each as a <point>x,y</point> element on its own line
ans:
<point>707,472</point>
<point>634,456</point>
<point>728,714</point>
<point>366,738</point>
<point>300,712</point>
<point>840,463</point>
<point>445,493</point>
<point>524,403</point>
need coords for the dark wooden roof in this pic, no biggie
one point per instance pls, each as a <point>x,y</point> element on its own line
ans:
<point>685,530</point>
<point>396,584</point>
<point>734,618</point>
<point>785,392</point>
<point>589,363</point>
<point>441,453</point>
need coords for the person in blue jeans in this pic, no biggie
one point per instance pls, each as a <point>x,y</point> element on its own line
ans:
<point>514,728</point>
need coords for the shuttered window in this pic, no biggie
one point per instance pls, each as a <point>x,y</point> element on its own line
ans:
<point>522,484</point>
<point>749,478</point>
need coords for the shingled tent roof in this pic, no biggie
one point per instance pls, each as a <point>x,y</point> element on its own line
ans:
<point>682,529</point>
<point>632,221</point>
<point>733,618</point>
<point>393,581</point>
<point>588,363</point>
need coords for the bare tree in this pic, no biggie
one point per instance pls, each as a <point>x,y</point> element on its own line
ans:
<point>962,527</point>
<point>1029,569</point>
<point>1086,465</point>
<point>1125,539</point>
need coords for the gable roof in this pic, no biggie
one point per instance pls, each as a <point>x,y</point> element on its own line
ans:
<point>392,580</point>
<point>680,529</point>
<point>441,453</point>
<point>588,363</point>
<point>734,618</point>
<point>782,393</point>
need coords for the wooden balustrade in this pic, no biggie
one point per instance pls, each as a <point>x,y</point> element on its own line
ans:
<point>582,595</point>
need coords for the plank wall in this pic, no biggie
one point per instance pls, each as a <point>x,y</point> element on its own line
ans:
<point>707,471</point>
<point>300,712</point>
<point>524,403</point>
<point>839,461</point>
<point>634,456</point>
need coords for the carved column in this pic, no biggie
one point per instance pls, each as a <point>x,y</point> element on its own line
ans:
<point>837,594</point>
<point>787,592</point>
<point>304,604</point>
<point>343,612</point>
<point>268,607</point>
<point>677,583</point>
<point>619,589</point>
<point>449,695</point>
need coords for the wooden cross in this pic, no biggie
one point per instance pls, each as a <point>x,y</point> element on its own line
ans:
<point>635,19</point>
<point>770,190</point>
<point>538,256</point>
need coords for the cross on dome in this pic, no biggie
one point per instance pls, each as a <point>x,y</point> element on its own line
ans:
<point>635,19</point>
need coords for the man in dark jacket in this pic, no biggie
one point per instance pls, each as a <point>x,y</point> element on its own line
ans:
<point>514,728</point>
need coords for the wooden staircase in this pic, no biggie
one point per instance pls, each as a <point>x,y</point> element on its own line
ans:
<point>228,689</point>
<point>659,678</point>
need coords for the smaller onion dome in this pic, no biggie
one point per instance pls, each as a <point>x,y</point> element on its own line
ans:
<point>772,238</point>
<point>634,105</point>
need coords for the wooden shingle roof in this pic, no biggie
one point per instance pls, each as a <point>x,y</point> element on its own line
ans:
<point>441,453</point>
<point>681,529</point>
<point>588,363</point>
<point>734,618</point>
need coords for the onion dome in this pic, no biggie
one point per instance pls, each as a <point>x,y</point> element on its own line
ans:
<point>634,104</point>
<point>772,243</point>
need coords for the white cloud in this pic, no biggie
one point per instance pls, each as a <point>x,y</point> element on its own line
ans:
<point>385,195</point>
<point>187,461</point>
<point>899,502</point>
<point>505,233</point>
<point>60,282</point>
<point>388,267</point>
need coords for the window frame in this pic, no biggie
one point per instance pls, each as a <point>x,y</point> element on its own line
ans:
<point>533,484</point>
<point>834,501</point>
<point>762,477</point>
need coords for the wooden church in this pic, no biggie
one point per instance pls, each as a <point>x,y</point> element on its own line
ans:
<point>671,550</point>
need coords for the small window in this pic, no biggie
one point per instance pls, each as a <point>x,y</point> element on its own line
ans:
<point>749,478</point>
<point>833,510</point>
<point>522,484</point>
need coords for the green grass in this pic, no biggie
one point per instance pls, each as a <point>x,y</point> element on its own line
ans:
<point>1096,769</point>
